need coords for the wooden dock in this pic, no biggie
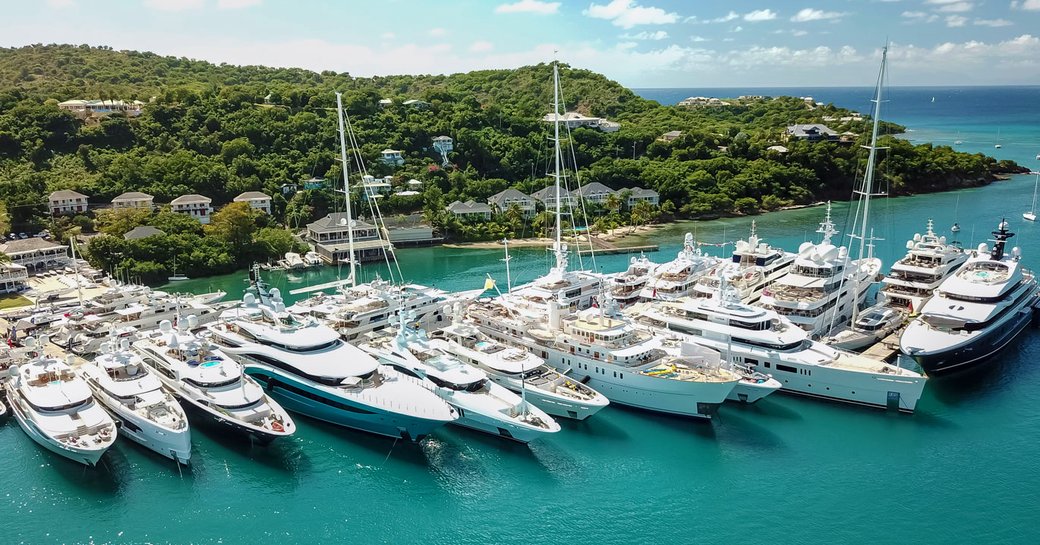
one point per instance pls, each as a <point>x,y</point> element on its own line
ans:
<point>886,349</point>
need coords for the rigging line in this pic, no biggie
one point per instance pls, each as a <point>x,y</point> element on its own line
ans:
<point>577,178</point>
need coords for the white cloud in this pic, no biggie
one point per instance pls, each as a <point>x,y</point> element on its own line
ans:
<point>920,16</point>
<point>481,46</point>
<point>956,20</point>
<point>760,15</point>
<point>724,19</point>
<point>737,28</point>
<point>627,14</point>
<point>646,35</point>
<point>809,14</point>
<point>61,3</point>
<point>174,5</point>
<point>1028,5</point>
<point>529,6</point>
<point>437,32</point>
<point>699,39</point>
<point>237,4</point>
<point>992,22</point>
<point>955,7</point>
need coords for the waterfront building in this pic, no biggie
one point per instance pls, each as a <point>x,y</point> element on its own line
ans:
<point>469,210</point>
<point>66,201</point>
<point>330,237</point>
<point>13,278</point>
<point>194,205</point>
<point>638,194</point>
<point>133,199</point>
<point>257,200</point>
<point>36,253</point>
<point>503,200</point>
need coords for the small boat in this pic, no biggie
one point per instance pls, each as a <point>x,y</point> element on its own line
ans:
<point>294,261</point>
<point>176,277</point>
<point>1031,215</point>
<point>958,142</point>
<point>956,228</point>
<point>55,408</point>
<point>312,259</point>
<point>998,146</point>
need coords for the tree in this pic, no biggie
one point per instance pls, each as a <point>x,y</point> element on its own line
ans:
<point>273,242</point>
<point>235,224</point>
<point>5,220</point>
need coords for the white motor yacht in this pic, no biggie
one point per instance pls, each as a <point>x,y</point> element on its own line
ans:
<point>975,312</point>
<point>520,371</point>
<point>135,397</point>
<point>55,408</point>
<point>482,404</point>
<point>755,266</point>
<point>770,344</point>
<point>626,286</point>
<point>822,286</point>
<point>311,371</point>
<point>205,378</point>
<point>929,260</point>
<point>676,278</point>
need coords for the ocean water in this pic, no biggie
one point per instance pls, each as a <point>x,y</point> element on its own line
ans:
<point>787,470</point>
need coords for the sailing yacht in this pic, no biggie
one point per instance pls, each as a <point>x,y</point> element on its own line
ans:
<point>1031,215</point>
<point>755,265</point>
<point>975,312</point>
<point>205,378</point>
<point>56,409</point>
<point>766,342</point>
<point>176,277</point>
<point>482,404</point>
<point>135,397</point>
<point>519,371</point>
<point>822,286</point>
<point>626,285</point>
<point>676,278</point>
<point>311,371</point>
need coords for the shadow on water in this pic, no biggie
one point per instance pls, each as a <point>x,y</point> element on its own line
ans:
<point>106,480</point>
<point>284,454</point>
<point>745,428</point>
<point>699,427</point>
<point>776,406</point>
<point>323,432</point>
<point>986,379</point>
<point>599,425</point>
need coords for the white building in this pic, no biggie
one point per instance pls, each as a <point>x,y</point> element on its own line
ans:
<point>13,278</point>
<point>133,199</point>
<point>574,120</point>
<point>257,200</point>
<point>392,157</point>
<point>35,253</point>
<point>66,201</point>
<point>469,210</point>
<point>330,237</point>
<point>504,200</point>
<point>638,194</point>
<point>101,107</point>
<point>193,205</point>
<point>594,192</point>
<point>547,197</point>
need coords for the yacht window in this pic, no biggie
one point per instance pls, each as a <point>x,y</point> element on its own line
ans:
<point>786,368</point>
<point>199,384</point>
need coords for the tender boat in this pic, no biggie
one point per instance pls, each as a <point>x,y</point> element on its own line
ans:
<point>311,371</point>
<point>205,378</point>
<point>519,371</point>
<point>482,404</point>
<point>974,313</point>
<point>147,414</point>
<point>55,408</point>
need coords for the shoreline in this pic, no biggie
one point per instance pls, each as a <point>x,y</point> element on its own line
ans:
<point>614,237</point>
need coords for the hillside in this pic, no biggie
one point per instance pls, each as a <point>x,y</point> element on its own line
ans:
<point>221,129</point>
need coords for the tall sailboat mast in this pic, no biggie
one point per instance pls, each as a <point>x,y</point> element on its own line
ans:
<point>558,244</point>
<point>346,185</point>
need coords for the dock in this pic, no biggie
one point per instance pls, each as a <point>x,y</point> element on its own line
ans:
<point>886,349</point>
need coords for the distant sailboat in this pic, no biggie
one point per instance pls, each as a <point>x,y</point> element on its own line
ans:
<point>933,99</point>
<point>1031,215</point>
<point>176,277</point>
<point>956,205</point>
<point>998,146</point>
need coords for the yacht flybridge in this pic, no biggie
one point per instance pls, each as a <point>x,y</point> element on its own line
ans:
<point>135,397</point>
<point>311,371</point>
<point>769,343</point>
<point>975,312</point>
<point>755,266</point>
<point>56,409</point>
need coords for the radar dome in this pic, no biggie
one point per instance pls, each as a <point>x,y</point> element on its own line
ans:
<point>193,321</point>
<point>249,299</point>
<point>917,237</point>
<point>29,342</point>
<point>983,248</point>
<point>804,246</point>
<point>909,245</point>
<point>165,326</point>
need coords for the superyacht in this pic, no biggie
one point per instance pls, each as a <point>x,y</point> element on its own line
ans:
<point>56,409</point>
<point>755,266</point>
<point>929,260</point>
<point>975,312</point>
<point>135,397</point>
<point>205,378</point>
<point>311,371</point>
<point>676,278</point>
<point>626,286</point>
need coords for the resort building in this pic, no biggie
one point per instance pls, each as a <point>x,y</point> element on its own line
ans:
<point>36,253</point>
<point>469,210</point>
<point>416,103</point>
<point>812,132</point>
<point>702,101</point>
<point>411,230</point>
<point>330,237</point>
<point>257,200</point>
<point>193,205</point>
<point>574,120</point>
<point>392,157</point>
<point>142,231</point>
<point>375,187</point>
<point>638,194</point>
<point>66,201</point>
<point>594,192</point>
<point>101,107</point>
<point>504,200</point>
<point>669,136</point>
<point>13,278</point>
<point>133,199</point>
<point>547,197</point>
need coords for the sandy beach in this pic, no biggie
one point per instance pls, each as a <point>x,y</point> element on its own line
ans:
<point>620,237</point>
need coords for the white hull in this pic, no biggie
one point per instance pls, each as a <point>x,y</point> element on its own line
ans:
<point>493,424</point>
<point>553,404</point>
<point>87,456</point>
<point>172,444</point>
<point>750,391</point>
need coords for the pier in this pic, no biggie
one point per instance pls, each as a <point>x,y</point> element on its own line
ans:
<point>886,349</point>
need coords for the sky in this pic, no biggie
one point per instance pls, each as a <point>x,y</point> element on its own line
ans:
<point>640,43</point>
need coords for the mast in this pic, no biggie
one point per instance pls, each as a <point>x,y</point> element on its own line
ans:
<point>558,244</point>
<point>509,280</point>
<point>346,185</point>
<point>75,265</point>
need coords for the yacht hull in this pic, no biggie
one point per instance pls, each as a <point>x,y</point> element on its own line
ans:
<point>86,456</point>
<point>553,405</point>
<point>750,391</point>
<point>254,434</point>
<point>867,390</point>
<point>301,398</point>
<point>493,426</point>
<point>976,352</point>
<point>172,444</point>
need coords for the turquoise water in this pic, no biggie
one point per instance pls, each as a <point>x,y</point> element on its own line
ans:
<point>960,470</point>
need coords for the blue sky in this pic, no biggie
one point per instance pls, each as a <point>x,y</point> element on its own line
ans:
<point>641,43</point>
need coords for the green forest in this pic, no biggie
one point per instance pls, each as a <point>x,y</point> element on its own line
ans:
<point>219,130</point>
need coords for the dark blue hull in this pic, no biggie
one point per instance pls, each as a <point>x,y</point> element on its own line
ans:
<point>977,353</point>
